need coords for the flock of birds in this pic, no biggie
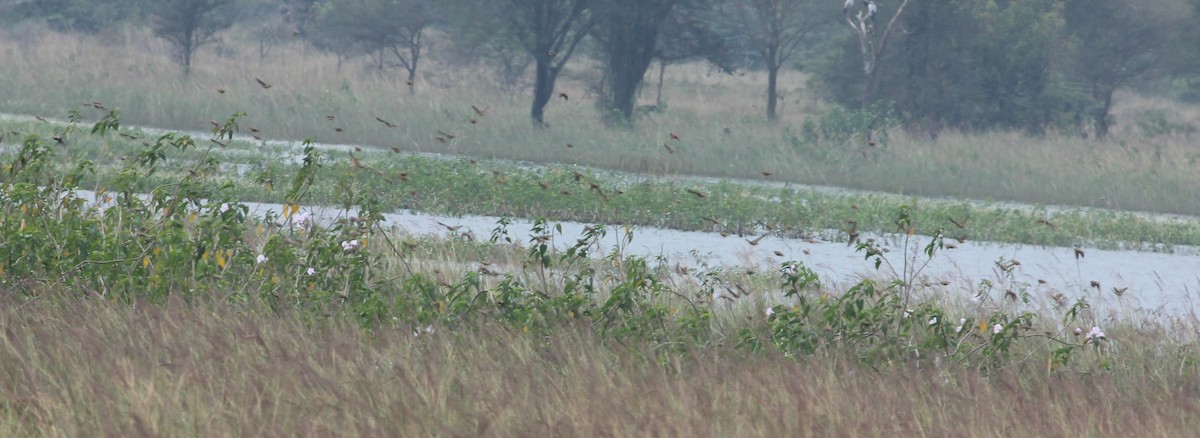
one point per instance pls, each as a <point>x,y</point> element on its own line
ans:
<point>478,114</point>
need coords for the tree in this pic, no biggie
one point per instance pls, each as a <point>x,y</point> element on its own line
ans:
<point>87,16</point>
<point>1118,41</point>
<point>189,24</point>
<point>690,33</point>
<point>391,32</point>
<point>776,30</point>
<point>549,31</point>
<point>968,66</point>
<point>872,42</point>
<point>628,34</point>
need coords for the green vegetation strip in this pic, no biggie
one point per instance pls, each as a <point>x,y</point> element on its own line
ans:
<point>459,186</point>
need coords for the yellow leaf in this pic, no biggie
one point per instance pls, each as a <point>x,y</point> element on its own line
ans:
<point>22,224</point>
<point>145,262</point>
<point>220,260</point>
<point>156,251</point>
<point>204,257</point>
<point>193,216</point>
<point>983,327</point>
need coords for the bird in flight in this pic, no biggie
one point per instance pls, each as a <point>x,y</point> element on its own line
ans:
<point>262,83</point>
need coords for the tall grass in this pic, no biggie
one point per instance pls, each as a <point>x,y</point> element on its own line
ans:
<point>179,313</point>
<point>75,367</point>
<point>1145,166</point>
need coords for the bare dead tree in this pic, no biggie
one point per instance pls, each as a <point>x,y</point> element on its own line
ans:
<point>861,16</point>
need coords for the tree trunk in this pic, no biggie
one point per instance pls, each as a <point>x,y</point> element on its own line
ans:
<point>772,91</point>
<point>662,72</point>
<point>1101,117</point>
<point>543,90</point>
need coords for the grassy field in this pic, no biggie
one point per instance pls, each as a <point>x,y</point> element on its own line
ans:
<point>179,313</point>
<point>1149,165</point>
<point>89,367</point>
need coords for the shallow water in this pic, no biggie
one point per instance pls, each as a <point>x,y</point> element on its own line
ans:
<point>1155,281</point>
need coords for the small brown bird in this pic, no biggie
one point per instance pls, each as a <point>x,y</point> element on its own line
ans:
<point>1096,284</point>
<point>962,224</point>
<point>254,130</point>
<point>97,105</point>
<point>563,95</point>
<point>395,149</point>
<point>674,136</point>
<point>440,139</point>
<point>59,140</point>
<point>448,136</point>
<point>670,150</point>
<point>1041,281</point>
<point>767,174</point>
<point>386,123</point>
<point>853,233</point>
<point>338,129</point>
<point>1078,253</point>
<point>330,117</point>
<point>545,185</point>
<point>578,176</point>
<point>755,241</point>
<point>1043,221</point>
<point>565,192</point>
<point>473,121</point>
<point>779,253</point>
<point>570,145</point>
<point>40,119</point>
<point>221,90</point>
<point>695,192</point>
<point>714,221</point>
<point>263,83</point>
<point>1120,291</point>
<point>480,112</point>
<point>449,227</point>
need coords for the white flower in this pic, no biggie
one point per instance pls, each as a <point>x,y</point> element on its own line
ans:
<point>310,271</point>
<point>933,321</point>
<point>997,328</point>
<point>260,259</point>
<point>958,329</point>
<point>1078,331</point>
<point>1095,335</point>
<point>302,219</point>
<point>224,208</point>
<point>351,245</point>
<point>770,311</point>
<point>961,323</point>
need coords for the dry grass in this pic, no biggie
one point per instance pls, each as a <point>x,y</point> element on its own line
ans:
<point>76,367</point>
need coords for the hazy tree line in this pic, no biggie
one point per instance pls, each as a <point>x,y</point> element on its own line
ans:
<point>937,64</point>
